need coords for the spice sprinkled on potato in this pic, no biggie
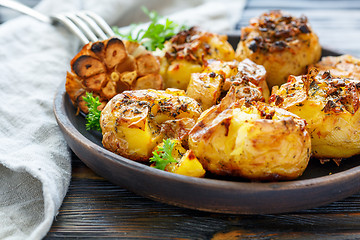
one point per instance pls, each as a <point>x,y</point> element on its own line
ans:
<point>282,43</point>
<point>330,107</point>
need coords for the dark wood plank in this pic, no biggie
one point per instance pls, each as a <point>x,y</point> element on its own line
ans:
<point>96,207</point>
<point>304,4</point>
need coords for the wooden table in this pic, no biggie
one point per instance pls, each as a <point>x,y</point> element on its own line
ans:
<point>94,207</point>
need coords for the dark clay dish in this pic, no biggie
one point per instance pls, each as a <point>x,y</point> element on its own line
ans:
<point>320,184</point>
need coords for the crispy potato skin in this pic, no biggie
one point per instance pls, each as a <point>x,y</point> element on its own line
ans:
<point>344,66</point>
<point>253,141</point>
<point>248,78</point>
<point>283,44</point>
<point>187,52</point>
<point>330,107</point>
<point>106,68</point>
<point>133,123</point>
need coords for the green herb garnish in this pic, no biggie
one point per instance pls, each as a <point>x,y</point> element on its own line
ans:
<point>93,117</point>
<point>162,155</point>
<point>156,34</point>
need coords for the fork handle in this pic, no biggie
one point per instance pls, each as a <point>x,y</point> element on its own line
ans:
<point>24,9</point>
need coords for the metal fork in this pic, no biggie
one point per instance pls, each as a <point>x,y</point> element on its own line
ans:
<point>86,25</point>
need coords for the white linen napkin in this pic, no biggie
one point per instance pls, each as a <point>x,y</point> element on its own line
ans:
<point>35,162</point>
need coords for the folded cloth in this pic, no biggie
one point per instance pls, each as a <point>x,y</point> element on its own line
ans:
<point>35,162</point>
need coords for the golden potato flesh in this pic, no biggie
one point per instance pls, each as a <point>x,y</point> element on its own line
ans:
<point>186,52</point>
<point>187,164</point>
<point>330,107</point>
<point>344,66</point>
<point>211,84</point>
<point>134,122</point>
<point>251,140</point>
<point>283,44</point>
<point>106,68</point>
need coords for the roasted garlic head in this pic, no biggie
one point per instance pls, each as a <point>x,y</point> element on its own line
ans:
<point>330,107</point>
<point>251,140</point>
<point>283,44</point>
<point>134,122</point>
<point>106,68</point>
<point>186,52</point>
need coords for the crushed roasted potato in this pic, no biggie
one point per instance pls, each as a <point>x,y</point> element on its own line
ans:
<point>106,68</point>
<point>283,44</point>
<point>211,84</point>
<point>134,122</point>
<point>251,140</point>
<point>344,66</point>
<point>186,53</point>
<point>330,107</point>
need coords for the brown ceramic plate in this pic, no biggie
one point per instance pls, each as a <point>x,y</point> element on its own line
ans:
<point>319,185</point>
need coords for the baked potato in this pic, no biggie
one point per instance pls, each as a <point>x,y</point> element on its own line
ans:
<point>344,66</point>
<point>283,44</point>
<point>106,68</point>
<point>186,53</point>
<point>186,162</point>
<point>251,140</point>
<point>211,84</point>
<point>330,107</point>
<point>134,122</point>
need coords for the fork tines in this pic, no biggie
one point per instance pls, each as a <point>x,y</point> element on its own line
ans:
<point>88,26</point>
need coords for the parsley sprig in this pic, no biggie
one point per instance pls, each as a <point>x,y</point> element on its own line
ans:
<point>162,156</point>
<point>93,117</point>
<point>155,35</point>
